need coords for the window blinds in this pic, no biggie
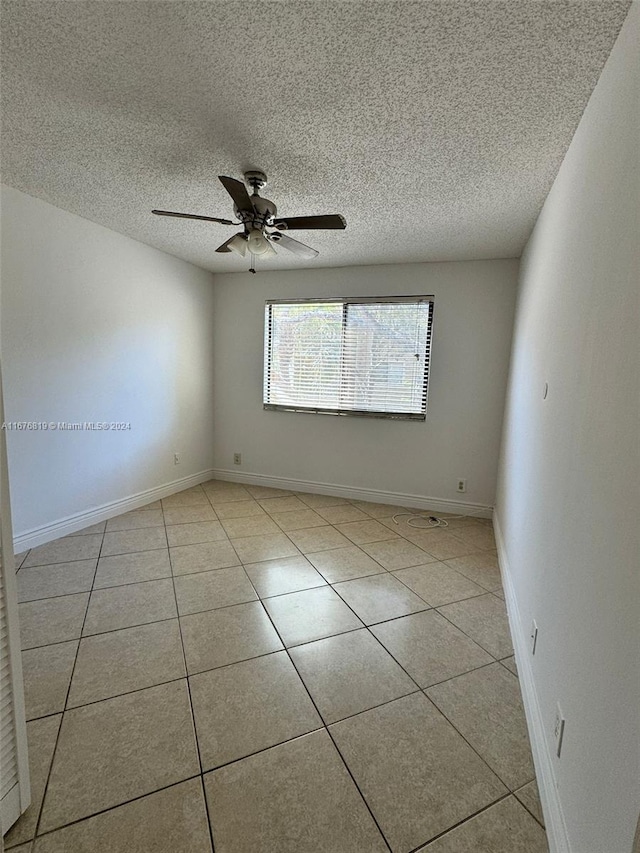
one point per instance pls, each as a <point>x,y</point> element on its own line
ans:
<point>349,356</point>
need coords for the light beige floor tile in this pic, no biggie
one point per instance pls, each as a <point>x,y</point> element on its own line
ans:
<point>56,579</point>
<point>218,496</point>
<point>349,673</point>
<point>309,615</point>
<point>65,550</point>
<point>249,706</point>
<point>480,537</point>
<point>126,660</point>
<point>188,514</point>
<point>342,514</point>
<point>210,590</point>
<point>438,584</point>
<point>397,554</point>
<point>255,549</point>
<point>499,593</point>
<point>133,604</point>
<point>98,527</point>
<point>195,533</point>
<point>319,501</point>
<point>41,742</point>
<point>262,492</point>
<point>187,559</point>
<point>47,673</point>
<point>294,798</point>
<point>486,708</point>
<point>52,620</point>
<point>152,505</point>
<point>132,568</point>
<point>481,567</point>
<point>484,619</point>
<point>503,828</point>
<point>363,532</point>
<point>300,520</point>
<point>530,799</point>
<point>438,543</point>
<point>319,539</point>
<point>239,509</point>
<point>418,776</point>
<point>287,504</point>
<point>136,520</point>
<point>429,647</point>
<point>376,510</point>
<point>510,664</point>
<point>379,597</point>
<point>343,564</point>
<point>129,541</point>
<point>173,820</point>
<point>220,637</point>
<point>22,848</point>
<point>288,574</point>
<point>112,751</point>
<point>190,497</point>
<point>255,525</point>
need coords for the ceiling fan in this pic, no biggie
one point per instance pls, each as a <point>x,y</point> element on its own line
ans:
<point>263,228</point>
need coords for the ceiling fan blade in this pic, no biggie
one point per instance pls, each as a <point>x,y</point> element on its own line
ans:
<point>331,220</point>
<point>294,246</point>
<point>225,246</point>
<point>238,193</point>
<point>193,216</point>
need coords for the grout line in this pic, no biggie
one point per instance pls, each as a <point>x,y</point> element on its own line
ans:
<point>464,737</point>
<point>108,698</point>
<point>255,752</point>
<point>286,650</point>
<point>193,719</point>
<point>109,809</point>
<point>73,669</point>
<point>525,806</point>
<point>490,805</point>
<point>326,728</point>
<point>477,642</point>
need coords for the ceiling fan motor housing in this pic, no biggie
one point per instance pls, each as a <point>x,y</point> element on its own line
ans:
<point>262,215</point>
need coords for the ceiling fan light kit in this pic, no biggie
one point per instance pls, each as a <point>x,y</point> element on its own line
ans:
<point>262,226</point>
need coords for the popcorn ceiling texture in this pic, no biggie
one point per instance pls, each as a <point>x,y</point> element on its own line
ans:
<point>436,128</point>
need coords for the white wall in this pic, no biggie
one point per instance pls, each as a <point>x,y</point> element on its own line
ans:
<point>568,502</point>
<point>473,319</point>
<point>98,327</point>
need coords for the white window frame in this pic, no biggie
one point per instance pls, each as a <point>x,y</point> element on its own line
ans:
<point>346,301</point>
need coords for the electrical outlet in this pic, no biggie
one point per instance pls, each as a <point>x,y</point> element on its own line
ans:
<point>558,729</point>
<point>176,458</point>
<point>534,636</point>
<point>462,485</point>
<point>237,458</point>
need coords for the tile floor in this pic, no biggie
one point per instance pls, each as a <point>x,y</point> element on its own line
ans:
<point>248,670</point>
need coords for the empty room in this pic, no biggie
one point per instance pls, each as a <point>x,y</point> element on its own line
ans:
<point>319,448</point>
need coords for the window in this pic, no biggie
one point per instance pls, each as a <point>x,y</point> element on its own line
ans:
<point>348,356</point>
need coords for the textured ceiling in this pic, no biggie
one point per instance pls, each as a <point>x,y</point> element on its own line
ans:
<point>435,128</point>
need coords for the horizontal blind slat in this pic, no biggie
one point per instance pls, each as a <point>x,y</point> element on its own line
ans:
<point>348,356</point>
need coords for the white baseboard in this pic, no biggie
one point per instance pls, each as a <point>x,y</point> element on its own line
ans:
<point>557,835</point>
<point>64,526</point>
<point>355,494</point>
<point>70,524</point>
